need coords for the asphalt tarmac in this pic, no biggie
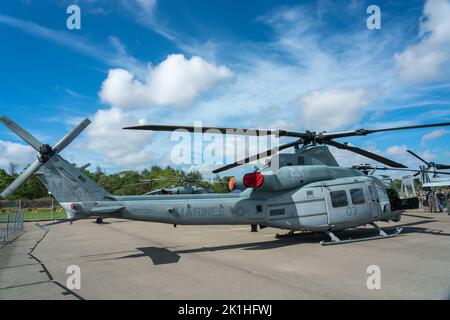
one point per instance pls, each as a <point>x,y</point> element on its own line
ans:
<point>122,259</point>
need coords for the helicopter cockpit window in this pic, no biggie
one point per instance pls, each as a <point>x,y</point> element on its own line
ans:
<point>357,196</point>
<point>339,198</point>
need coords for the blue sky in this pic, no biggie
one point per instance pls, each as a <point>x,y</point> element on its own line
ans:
<point>273,64</point>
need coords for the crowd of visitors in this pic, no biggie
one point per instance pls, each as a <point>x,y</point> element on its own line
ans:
<point>436,200</point>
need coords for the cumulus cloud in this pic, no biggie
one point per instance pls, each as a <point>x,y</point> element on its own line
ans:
<point>332,109</point>
<point>284,82</point>
<point>433,135</point>
<point>397,151</point>
<point>176,81</point>
<point>428,60</point>
<point>17,153</point>
<point>119,147</point>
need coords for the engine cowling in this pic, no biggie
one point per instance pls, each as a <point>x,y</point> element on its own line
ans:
<point>289,177</point>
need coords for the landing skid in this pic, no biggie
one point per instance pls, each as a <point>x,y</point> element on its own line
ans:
<point>381,235</point>
<point>291,234</point>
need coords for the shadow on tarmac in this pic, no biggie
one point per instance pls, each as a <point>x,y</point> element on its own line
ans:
<point>161,256</point>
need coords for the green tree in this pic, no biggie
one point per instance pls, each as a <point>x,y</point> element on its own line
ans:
<point>122,183</point>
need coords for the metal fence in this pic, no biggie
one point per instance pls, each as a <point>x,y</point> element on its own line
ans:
<point>34,210</point>
<point>11,225</point>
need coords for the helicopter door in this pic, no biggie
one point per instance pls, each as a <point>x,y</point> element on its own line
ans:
<point>337,205</point>
<point>374,200</point>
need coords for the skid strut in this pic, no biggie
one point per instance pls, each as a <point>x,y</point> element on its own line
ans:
<point>381,235</point>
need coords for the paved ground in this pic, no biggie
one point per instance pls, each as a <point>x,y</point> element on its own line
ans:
<point>137,260</point>
<point>23,275</point>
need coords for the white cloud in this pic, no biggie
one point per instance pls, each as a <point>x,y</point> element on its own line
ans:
<point>397,151</point>
<point>118,147</point>
<point>148,6</point>
<point>428,60</point>
<point>270,80</point>
<point>176,81</point>
<point>302,62</point>
<point>17,153</point>
<point>428,155</point>
<point>332,109</point>
<point>433,135</point>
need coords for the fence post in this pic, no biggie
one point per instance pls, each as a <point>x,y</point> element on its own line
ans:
<point>14,223</point>
<point>7,228</point>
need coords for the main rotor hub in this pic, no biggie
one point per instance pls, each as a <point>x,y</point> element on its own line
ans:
<point>45,153</point>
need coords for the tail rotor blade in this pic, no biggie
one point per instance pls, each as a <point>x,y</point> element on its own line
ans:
<point>21,179</point>
<point>64,142</point>
<point>25,135</point>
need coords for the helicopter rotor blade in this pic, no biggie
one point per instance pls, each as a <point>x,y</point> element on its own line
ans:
<point>257,156</point>
<point>213,130</point>
<point>418,171</point>
<point>421,159</point>
<point>64,142</point>
<point>366,153</point>
<point>21,132</point>
<point>21,179</point>
<point>429,164</point>
<point>409,170</point>
<point>363,132</point>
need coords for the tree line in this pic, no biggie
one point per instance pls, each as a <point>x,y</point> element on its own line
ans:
<point>121,183</point>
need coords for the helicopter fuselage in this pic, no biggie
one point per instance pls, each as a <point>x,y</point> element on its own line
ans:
<point>346,199</point>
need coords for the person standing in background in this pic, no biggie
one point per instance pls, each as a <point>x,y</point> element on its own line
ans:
<point>431,201</point>
<point>447,196</point>
<point>440,199</point>
<point>424,197</point>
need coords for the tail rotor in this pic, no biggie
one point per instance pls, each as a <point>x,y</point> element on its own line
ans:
<point>45,152</point>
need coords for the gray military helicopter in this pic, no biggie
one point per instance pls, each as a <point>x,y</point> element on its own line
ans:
<point>405,197</point>
<point>305,190</point>
<point>189,188</point>
<point>429,174</point>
